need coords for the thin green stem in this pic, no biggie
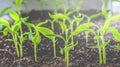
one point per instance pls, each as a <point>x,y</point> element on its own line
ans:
<point>104,55</point>
<point>20,38</point>
<point>16,44</point>
<point>103,51</point>
<point>66,34</point>
<point>54,46</point>
<point>35,52</point>
<point>65,54</point>
<point>100,52</point>
<point>21,51</point>
<point>67,59</point>
<point>71,27</point>
<point>52,25</point>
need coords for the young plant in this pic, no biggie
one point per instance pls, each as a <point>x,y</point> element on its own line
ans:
<point>12,31</point>
<point>64,18</point>
<point>68,45</point>
<point>35,36</point>
<point>36,39</point>
<point>65,51</point>
<point>19,21</point>
<point>100,38</point>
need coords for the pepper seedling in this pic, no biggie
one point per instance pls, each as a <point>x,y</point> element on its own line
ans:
<point>68,46</point>
<point>35,36</point>
<point>100,38</point>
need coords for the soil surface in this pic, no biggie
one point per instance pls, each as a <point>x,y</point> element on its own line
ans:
<point>81,56</point>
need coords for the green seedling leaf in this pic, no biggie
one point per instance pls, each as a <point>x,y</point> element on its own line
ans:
<point>10,40</point>
<point>56,35</point>
<point>105,44</point>
<point>90,31</point>
<point>62,51</point>
<point>118,47</point>
<point>45,31</point>
<point>78,19</point>
<point>16,27</point>
<point>4,10</point>
<point>5,31</point>
<point>4,22</point>
<point>70,12</point>
<point>41,23</point>
<point>114,32</point>
<point>99,46</point>
<point>23,20</point>
<point>30,25</point>
<point>26,33</point>
<point>59,16</point>
<point>14,15</point>
<point>113,18</point>
<point>69,47</point>
<point>95,15</point>
<point>22,38</point>
<point>30,35</point>
<point>36,39</point>
<point>81,28</point>
<point>63,26</point>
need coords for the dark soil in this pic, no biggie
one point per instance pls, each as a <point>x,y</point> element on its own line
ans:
<point>81,56</point>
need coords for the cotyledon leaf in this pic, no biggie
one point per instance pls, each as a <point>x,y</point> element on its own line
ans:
<point>14,15</point>
<point>45,31</point>
<point>114,32</point>
<point>4,22</point>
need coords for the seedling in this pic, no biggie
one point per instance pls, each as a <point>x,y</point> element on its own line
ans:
<point>35,36</point>
<point>99,36</point>
<point>63,17</point>
<point>13,31</point>
<point>68,46</point>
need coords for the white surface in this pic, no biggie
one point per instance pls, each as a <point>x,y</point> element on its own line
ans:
<point>115,7</point>
<point>34,4</point>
